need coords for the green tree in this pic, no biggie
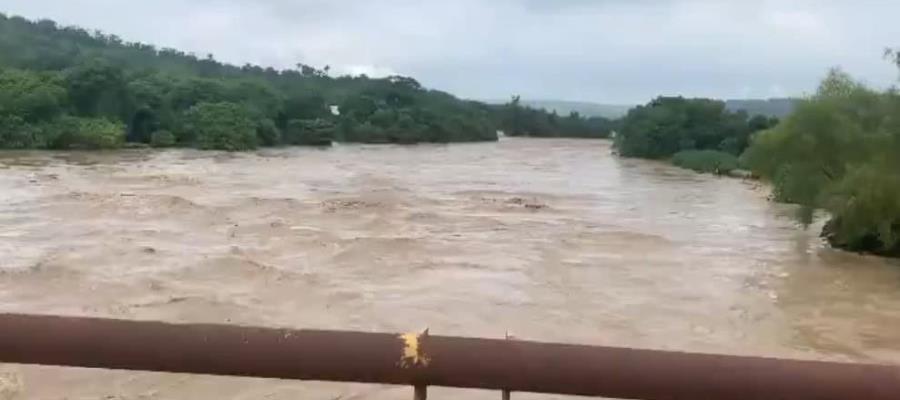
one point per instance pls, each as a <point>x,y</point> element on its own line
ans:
<point>146,106</point>
<point>257,96</point>
<point>839,152</point>
<point>517,120</point>
<point>668,125</point>
<point>15,133</point>
<point>709,161</point>
<point>188,92</point>
<point>514,123</point>
<point>69,70</point>
<point>30,95</point>
<point>162,138</point>
<point>97,89</point>
<point>305,106</point>
<point>267,133</point>
<point>219,126</point>
<point>359,107</point>
<point>84,133</point>
<point>310,132</point>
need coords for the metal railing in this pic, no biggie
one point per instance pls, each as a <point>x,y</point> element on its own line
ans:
<point>422,360</point>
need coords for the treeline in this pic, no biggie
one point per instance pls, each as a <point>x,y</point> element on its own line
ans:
<point>518,120</point>
<point>839,151</point>
<point>65,87</point>
<point>700,134</point>
<point>774,107</point>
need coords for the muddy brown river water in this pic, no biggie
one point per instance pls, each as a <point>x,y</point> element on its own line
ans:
<point>546,239</point>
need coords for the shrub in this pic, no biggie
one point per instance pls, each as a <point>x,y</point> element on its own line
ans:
<point>838,151</point>
<point>267,133</point>
<point>668,125</point>
<point>84,133</point>
<point>31,95</point>
<point>709,161</point>
<point>15,133</point>
<point>219,126</point>
<point>162,138</point>
<point>366,133</point>
<point>310,132</point>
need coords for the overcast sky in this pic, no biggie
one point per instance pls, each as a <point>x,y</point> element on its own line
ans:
<point>614,51</point>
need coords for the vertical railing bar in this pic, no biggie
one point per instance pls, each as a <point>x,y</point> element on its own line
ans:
<point>420,392</point>
<point>506,392</point>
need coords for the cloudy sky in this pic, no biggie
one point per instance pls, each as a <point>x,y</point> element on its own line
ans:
<point>614,51</point>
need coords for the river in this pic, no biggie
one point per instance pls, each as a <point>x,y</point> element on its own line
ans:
<point>546,239</point>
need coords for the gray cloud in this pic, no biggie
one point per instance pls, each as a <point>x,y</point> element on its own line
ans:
<point>609,51</point>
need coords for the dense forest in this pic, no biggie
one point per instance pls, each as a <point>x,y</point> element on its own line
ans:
<point>839,152</point>
<point>700,134</point>
<point>64,87</point>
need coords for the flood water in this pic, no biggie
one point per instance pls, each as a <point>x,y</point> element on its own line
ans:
<point>553,240</point>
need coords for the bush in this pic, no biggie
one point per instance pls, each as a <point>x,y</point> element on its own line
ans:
<point>838,151</point>
<point>15,133</point>
<point>219,126</point>
<point>162,138</point>
<point>865,205</point>
<point>33,96</point>
<point>708,161</point>
<point>668,125</point>
<point>267,133</point>
<point>310,132</point>
<point>84,133</point>
<point>364,133</point>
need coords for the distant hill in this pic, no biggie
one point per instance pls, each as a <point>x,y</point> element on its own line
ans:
<point>776,107</point>
<point>565,107</point>
<point>779,107</point>
<point>586,109</point>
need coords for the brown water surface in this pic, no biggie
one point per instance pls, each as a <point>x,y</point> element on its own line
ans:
<point>547,239</point>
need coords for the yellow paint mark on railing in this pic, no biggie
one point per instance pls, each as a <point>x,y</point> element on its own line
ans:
<point>413,355</point>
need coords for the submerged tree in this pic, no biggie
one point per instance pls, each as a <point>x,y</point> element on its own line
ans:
<point>840,151</point>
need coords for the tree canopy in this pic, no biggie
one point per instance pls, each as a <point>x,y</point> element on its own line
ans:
<point>668,125</point>
<point>226,126</point>
<point>839,151</point>
<point>519,120</point>
<point>50,72</point>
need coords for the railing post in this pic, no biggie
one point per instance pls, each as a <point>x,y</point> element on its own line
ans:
<point>420,392</point>
<point>506,392</point>
<point>415,358</point>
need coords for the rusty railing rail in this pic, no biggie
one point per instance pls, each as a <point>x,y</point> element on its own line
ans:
<point>421,360</point>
